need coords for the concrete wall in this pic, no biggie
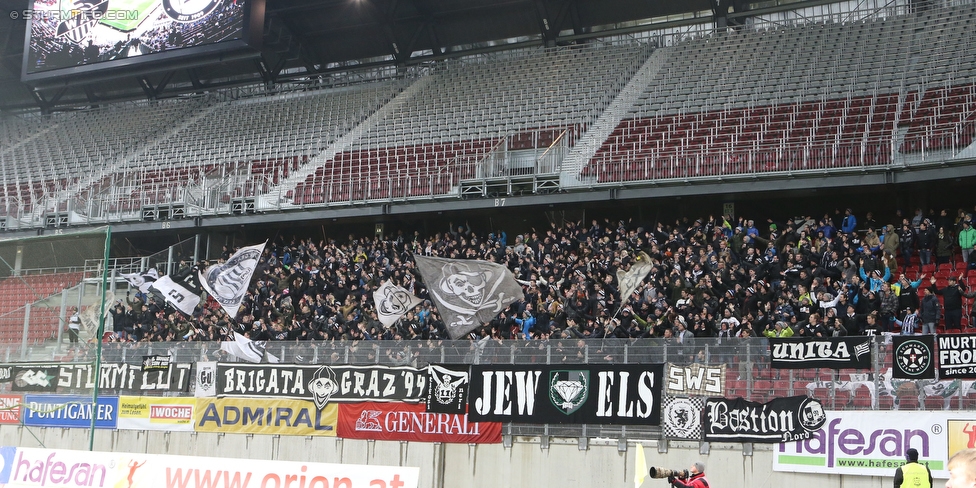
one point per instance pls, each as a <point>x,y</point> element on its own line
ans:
<point>525,464</point>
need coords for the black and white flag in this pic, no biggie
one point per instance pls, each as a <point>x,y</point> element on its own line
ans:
<point>251,351</point>
<point>143,280</point>
<point>227,282</point>
<point>448,390</point>
<point>630,279</point>
<point>468,293</point>
<point>176,293</point>
<point>392,302</point>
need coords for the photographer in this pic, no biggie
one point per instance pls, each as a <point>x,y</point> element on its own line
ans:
<point>695,479</point>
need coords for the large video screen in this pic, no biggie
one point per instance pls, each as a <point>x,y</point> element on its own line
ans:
<point>76,36</point>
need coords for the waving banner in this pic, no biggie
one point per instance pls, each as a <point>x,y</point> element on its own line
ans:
<point>227,282</point>
<point>142,281</point>
<point>468,293</point>
<point>392,302</point>
<point>629,279</point>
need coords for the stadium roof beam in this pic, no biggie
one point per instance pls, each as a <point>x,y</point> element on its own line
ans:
<point>385,20</point>
<point>153,92</point>
<point>429,23</point>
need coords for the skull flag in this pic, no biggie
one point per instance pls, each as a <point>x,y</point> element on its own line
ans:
<point>468,293</point>
<point>392,302</point>
<point>629,279</point>
<point>227,282</point>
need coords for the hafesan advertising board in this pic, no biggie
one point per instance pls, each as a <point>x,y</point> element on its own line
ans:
<point>871,443</point>
<point>29,467</point>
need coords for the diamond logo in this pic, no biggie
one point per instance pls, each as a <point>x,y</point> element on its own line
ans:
<point>568,390</point>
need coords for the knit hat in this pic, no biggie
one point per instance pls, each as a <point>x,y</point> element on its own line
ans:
<point>912,455</point>
<point>701,466</point>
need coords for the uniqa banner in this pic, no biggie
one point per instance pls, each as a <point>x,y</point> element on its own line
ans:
<point>410,422</point>
<point>852,352</point>
<point>30,467</point>
<point>270,416</point>
<point>322,384</point>
<point>567,393</point>
<point>864,443</point>
<point>777,420</point>
<point>156,413</point>
<point>70,411</point>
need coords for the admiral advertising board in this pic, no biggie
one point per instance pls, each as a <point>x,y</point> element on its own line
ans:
<point>564,394</point>
<point>270,416</point>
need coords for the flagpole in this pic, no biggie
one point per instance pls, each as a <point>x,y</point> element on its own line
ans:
<point>98,335</point>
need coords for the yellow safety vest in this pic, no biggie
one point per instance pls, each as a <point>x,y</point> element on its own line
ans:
<point>915,476</point>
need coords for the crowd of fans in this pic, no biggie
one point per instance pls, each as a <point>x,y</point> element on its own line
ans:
<point>715,277</point>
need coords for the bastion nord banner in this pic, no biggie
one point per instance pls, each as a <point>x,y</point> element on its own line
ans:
<point>566,394</point>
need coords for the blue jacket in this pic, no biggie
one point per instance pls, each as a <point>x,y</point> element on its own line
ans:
<point>527,325</point>
<point>876,283</point>
<point>849,224</point>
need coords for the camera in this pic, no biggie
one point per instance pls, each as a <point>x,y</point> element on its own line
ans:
<point>659,472</point>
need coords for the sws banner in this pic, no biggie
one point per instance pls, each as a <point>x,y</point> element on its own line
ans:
<point>566,394</point>
<point>322,384</point>
<point>409,422</point>
<point>816,352</point>
<point>779,420</point>
<point>695,379</point>
<point>52,378</point>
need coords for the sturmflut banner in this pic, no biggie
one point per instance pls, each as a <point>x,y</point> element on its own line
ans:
<point>828,352</point>
<point>322,384</point>
<point>774,421</point>
<point>864,443</point>
<point>567,394</point>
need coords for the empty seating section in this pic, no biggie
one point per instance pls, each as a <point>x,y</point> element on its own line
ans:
<point>234,145</point>
<point>16,291</point>
<point>55,155</point>
<point>440,134</point>
<point>809,97</point>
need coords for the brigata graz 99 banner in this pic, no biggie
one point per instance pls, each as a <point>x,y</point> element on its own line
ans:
<point>779,420</point>
<point>826,352</point>
<point>320,384</point>
<point>567,394</point>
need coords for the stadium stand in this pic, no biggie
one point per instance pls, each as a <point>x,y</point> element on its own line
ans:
<point>816,96</point>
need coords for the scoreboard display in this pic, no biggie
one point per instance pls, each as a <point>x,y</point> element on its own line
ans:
<point>78,36</point>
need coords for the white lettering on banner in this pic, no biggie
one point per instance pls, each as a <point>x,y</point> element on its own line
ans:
<point>70,411</point>
<point>429,423</point>
<point>685,379</point>
<point>803,351</point>
<point>499,390</point>
<point>611,382</point>
<point>957,351</point>
<point>179,412</point>
<point>760,420</point>
<point>254,382</point>
<point>32,467</point>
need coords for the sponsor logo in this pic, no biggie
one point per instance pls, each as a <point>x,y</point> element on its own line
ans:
<point>369,421</point>
<point>171,412</point>
<point>568,390</point>
<point>30,377</point>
